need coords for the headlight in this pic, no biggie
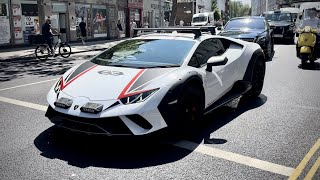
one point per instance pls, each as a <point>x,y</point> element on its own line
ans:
<point>57,87</point>
<point>140,97</point>
<point>291,28</point>
<point>64,103</point>
<point>307,29</point>
<point>92,108</point>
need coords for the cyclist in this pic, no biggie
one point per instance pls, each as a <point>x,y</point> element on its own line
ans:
<point>47,34</point>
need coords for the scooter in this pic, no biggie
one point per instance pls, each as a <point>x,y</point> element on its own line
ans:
<point>307,45</point>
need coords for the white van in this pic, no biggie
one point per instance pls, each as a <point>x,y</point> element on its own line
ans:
<point>203,19</point>
<point>294,11</point>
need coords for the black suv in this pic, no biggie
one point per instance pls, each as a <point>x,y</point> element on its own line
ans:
<point>252,29</point>
<point>282,24</point>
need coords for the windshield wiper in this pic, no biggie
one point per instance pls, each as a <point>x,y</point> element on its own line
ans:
<point>165,66</point>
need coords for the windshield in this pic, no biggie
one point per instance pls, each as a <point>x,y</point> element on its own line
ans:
<point>239,24</point>
<point>143,53</point>
<point>310,18</point>
<point>278,16</point>
<point>200,19</point>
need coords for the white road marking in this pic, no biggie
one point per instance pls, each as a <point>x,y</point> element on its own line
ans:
<point>241,159</point>
<point>14,87</point>
<point>24,104</point>
<point>214,152</point>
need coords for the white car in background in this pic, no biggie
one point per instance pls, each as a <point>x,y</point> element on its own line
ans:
<point>155,81</point>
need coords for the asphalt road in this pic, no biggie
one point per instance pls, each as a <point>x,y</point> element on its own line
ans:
<point>272,137</point>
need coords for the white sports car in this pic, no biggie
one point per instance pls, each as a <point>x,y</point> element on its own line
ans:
<point>154,81</point>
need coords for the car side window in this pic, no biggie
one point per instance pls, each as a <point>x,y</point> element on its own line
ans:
<point>207,49</point>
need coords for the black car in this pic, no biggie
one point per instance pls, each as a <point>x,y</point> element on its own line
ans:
<point>282,23</point>
<point>252,29</point>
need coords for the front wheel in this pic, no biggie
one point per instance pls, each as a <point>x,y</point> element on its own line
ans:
<point>65,50</point>
<point>42,52</point>
<point>190,108</point>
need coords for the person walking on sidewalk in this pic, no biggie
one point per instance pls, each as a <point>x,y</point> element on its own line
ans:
<point>83,30</point>
<point>133,25</point>
<point>47,34</point>
<point>119,28</point>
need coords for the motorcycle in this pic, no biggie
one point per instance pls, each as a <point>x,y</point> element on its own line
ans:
<point>307,45</point>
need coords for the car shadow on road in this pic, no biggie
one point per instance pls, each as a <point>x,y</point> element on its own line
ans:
<point>15,69</point>
<point>133,152</point>
<point>312,67</point>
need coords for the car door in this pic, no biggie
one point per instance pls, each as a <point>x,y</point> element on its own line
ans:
<point>216,82</point>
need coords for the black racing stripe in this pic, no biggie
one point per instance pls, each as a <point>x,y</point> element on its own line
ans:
<point>148,75</point>
<point>80,69</point>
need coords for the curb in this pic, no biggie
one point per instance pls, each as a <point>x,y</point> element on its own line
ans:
<point>33,57</point>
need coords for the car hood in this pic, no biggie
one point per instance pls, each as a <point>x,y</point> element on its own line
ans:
<point>241,34</point>
<point>280,23</point>
<point>109,83</point>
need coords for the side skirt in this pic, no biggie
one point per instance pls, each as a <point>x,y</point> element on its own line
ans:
<point>239,88</point>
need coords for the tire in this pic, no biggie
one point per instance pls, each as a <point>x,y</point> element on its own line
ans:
<point>257,80</point>
<point>65,50</point>
<point>304,60</point>
<point>190,108</point>
<point>42,52</point>
<point>270,49</point>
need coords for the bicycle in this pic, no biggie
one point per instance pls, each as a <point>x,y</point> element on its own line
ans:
<point>43,51</point>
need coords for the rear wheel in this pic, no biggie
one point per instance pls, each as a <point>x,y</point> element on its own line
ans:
<point>65,50</point>
<point>257,80</point>
<point>304,59</point>
<point>42,52</point>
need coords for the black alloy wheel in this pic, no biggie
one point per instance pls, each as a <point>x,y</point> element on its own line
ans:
<point>257,80</point>
<point>42,52</point>
<point>190,107</point>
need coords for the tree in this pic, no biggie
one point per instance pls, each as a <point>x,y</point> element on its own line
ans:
<point>215,9</point>
<point>238,9</point>
<point>217,16</point>
<point>173,13</point>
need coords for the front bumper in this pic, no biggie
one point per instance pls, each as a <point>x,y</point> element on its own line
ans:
<point>283,32</point>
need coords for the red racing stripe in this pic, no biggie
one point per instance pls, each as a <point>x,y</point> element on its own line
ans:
<point>73,79</point>
<point>123,93</point>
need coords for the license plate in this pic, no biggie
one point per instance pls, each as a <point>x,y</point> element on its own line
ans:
<point>277,35</point>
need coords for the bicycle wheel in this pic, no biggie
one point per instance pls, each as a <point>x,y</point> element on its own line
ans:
<point>42,52</point>
<point>65,50</point>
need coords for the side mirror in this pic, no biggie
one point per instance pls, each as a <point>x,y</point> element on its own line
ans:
<point>216,61</point>
<point>300,17</point>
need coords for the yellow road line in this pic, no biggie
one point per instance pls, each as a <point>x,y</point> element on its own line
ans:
<point>305,161</point>
<point>237,158</point>
<point>24,104</point>
<point>313,170</point>
<point>29,84</point>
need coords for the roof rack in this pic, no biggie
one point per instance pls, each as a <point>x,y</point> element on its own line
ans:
<point>195,30</point>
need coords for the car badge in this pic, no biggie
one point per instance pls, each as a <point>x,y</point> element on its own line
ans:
<point>76,107</point>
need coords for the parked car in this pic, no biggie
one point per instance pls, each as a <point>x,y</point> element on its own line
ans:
<point>253,29</point>
<point>156,81</point>
<point>282,23</point>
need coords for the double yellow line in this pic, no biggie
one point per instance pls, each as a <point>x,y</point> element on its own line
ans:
<point>296,173</point>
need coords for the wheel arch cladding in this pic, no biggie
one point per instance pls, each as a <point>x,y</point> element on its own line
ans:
<point>258,54</point>
<point>168,104</point>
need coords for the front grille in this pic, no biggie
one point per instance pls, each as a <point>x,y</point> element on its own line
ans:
<point>278,30</point>
<point>106,126</point>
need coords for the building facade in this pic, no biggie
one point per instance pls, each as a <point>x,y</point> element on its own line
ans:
<point>19,18</point>
<point>153,13</point>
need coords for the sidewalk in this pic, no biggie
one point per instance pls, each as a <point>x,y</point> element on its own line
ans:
<point>27,53</point>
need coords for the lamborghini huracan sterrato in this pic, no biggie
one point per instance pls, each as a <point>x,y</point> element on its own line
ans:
<point>155,81</point>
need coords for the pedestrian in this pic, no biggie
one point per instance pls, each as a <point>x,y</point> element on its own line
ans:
<point>36,27</point>
<point>119,28</point>
<point>83,30</point>
<point>133,25</point>
<point>47,34</point>
<point>181,23</point>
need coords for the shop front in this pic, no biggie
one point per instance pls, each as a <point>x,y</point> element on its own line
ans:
<point>134,14</point>
<point>20,18</point>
